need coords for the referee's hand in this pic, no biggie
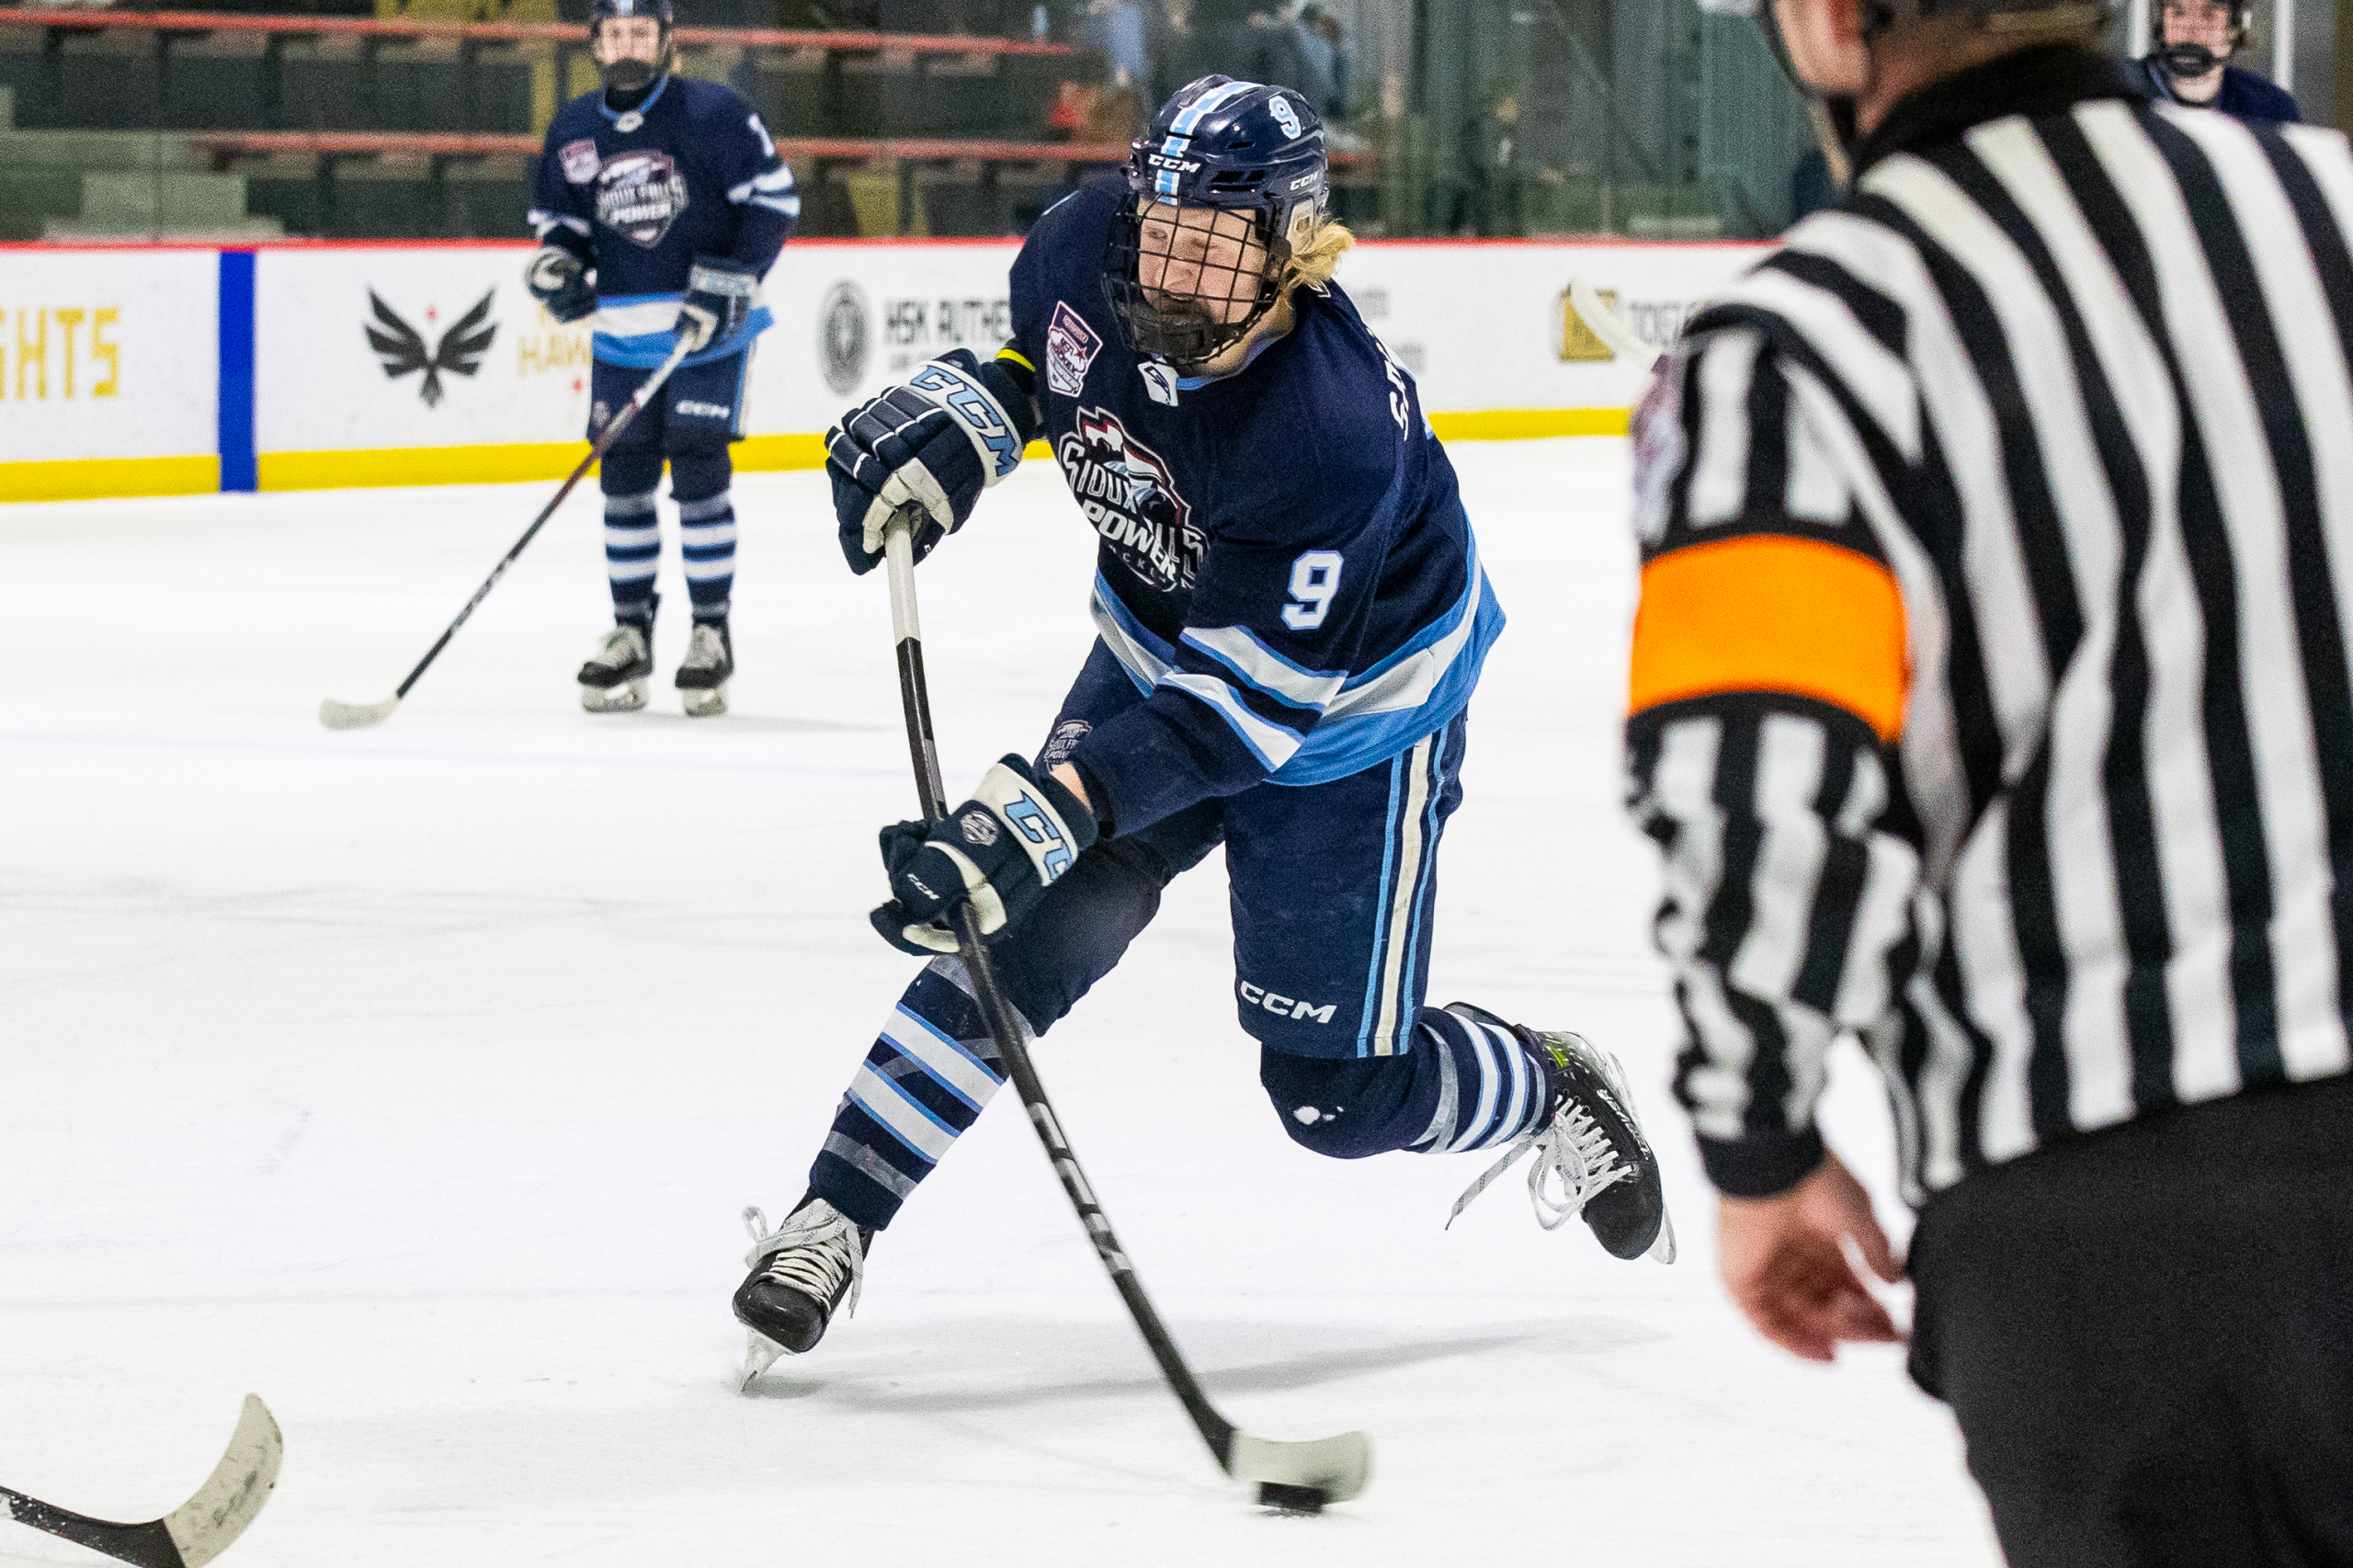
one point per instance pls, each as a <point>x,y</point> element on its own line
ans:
<point>1781,1259</point>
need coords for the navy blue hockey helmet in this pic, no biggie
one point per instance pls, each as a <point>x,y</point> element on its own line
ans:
<point>631,75</point>
<point>1229,179</point>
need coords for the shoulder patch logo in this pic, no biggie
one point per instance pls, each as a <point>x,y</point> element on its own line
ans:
<point>1160,380</point>
<point>639,195</point>
<point>1071,347</point>
<point>580,161</point>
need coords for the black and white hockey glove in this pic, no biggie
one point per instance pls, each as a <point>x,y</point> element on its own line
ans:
<point>1000,849</point>
<point>955,428</point>
<point>719,296</point>
<point>558,275</point>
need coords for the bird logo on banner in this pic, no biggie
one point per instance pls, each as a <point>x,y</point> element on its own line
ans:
<point>459,352</point>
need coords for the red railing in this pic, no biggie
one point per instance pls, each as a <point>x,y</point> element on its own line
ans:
<point>516,32</point>
<point>438,143</point>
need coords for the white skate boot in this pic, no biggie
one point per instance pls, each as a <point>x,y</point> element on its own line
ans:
<point>702,677</point>
<point>613,680</point>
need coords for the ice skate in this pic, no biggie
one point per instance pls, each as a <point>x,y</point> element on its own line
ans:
<point>613,680</point>
<point>1591,1158</point>
<point>702,677</point>
<point>803,1272</point>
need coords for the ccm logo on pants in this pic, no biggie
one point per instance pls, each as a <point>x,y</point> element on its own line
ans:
<point>694,410</point>
<point>1283,1006</point>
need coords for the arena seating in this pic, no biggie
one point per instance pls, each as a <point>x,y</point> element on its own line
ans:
<point>358,127</point>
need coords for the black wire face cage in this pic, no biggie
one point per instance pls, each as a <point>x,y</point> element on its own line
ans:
<point>629,75</point>
<point>1186,283</point>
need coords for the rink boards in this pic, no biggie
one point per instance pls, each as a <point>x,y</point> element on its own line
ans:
<point>147,370</point>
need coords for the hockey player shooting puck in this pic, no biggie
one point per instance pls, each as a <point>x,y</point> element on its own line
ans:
<point>1291,1499</point>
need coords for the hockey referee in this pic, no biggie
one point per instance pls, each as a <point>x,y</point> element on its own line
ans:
<point>1991,701</point>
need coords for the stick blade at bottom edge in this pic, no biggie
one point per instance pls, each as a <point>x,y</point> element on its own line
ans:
<point>356,715</point>
<point>1337,1467</point>
<point>204,1525</point>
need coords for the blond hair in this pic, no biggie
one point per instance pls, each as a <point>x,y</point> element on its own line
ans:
<point>1314,259</point>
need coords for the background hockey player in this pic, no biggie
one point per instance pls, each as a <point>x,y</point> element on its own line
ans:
<point>1991,701</point>
<point>660,203</point>
<point>1293,616</point>
<point>2195,37</point>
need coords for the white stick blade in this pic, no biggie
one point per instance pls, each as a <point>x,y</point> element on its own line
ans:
<point>356,715</point>
<point>1338,1467</point>
<point>1594,311</point>
<point>203,1526</point>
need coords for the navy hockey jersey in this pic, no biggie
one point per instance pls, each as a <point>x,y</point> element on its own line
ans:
<point>1285,568</point>
<point>693,173</point>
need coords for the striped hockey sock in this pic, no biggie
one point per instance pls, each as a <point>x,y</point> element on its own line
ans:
<point>1491,1089</point>
<point>707,540</point>
<point>632,551</point>
<point>931,1071</point>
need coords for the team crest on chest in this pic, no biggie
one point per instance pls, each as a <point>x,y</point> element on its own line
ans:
<point>1128,494</point>
<point>1071,347</point>
<point>639,195</point>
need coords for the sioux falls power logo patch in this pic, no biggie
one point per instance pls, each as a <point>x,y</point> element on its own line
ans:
<point>639,195</point>
<point>1127,494</point>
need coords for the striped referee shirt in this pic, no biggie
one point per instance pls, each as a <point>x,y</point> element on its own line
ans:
<point>1990,695</point>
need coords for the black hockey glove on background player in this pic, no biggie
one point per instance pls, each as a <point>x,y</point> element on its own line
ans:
<point>1001,849</point>
<point>719,292</point>
<point>558,275</point>
<point>955,428</point>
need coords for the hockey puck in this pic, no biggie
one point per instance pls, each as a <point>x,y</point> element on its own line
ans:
<point>1291,1499</point>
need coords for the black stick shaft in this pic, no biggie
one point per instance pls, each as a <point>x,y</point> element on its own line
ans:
<point>604,440</point>
<point>148,1545</point>
<point>1006,1028</point>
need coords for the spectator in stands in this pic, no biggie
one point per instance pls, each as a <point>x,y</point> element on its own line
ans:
<point>1115,28</point>
<point>1307,52</point>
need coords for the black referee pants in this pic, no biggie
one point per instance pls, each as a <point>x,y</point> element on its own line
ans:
<point>2147,1335</point>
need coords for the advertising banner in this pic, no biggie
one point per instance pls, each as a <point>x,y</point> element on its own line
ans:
<point>308,365</point>
<point>108,372</point>
<point>410,365</point>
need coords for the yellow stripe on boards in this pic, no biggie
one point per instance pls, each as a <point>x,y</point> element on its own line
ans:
<point>1530,423</point>
<point>418,465</point>
<point>91,479</point>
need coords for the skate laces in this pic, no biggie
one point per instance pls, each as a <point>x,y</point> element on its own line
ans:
<point>703,649</point>
<point>617,650</point>
<point>1576,1162</point>
<point>812,1252</point>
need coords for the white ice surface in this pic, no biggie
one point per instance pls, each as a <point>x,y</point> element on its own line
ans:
<point>414,1079</point>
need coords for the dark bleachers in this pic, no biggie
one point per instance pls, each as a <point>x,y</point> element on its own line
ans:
<point>203,71</point>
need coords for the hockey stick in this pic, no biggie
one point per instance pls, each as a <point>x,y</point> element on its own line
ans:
<point>1298,1477</point>
<point>198,1530</point>
<point>1605,325</point>
<point>361,715</point>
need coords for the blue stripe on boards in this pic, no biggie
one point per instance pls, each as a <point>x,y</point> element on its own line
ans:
<point>239,468</point>
<point>1381,906</point>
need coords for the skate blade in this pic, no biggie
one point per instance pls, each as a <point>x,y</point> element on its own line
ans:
<point>760,1353</point>
<point>626,697</point>
<point>707,703</point>
<point>1663,1249</point>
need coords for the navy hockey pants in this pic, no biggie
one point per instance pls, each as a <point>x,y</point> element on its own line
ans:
<point>1332,888</point>
<point>690,421</point>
